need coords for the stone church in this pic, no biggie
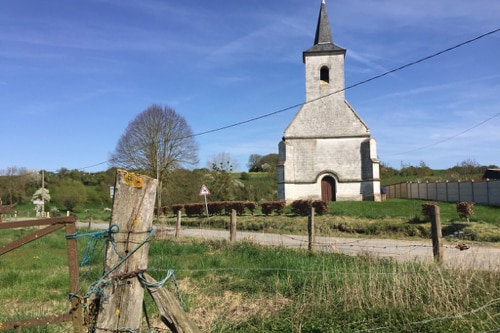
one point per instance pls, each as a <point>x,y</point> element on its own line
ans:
<point>327,152</point>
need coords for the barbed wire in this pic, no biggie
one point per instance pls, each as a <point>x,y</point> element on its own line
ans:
<point>426,321</point>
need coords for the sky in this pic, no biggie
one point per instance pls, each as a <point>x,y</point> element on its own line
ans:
<point>73,74</point>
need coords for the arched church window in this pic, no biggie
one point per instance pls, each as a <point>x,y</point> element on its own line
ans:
<point>324,74</point>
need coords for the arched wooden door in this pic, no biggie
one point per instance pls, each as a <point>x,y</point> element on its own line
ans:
<point>328,189</point>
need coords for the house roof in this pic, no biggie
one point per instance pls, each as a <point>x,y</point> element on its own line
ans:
<point>492,174</point>
<point>323,41</point>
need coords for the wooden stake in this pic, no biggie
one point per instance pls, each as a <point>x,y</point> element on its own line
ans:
<point>232,226</point>
<point>310,229</point>
<point>120,307</point>
<point>171,313</point>
<point>178,223</point>
<point>437,237</point>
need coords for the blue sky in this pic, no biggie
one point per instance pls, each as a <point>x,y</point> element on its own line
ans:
<point>73,74</point>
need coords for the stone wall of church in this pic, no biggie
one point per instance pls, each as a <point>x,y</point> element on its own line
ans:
<point>355,191</point>
<point>350,161</point>
<point>314,88</point>
<point>307,158</point>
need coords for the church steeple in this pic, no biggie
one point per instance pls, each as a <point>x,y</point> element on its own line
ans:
<point>323,32</point>
<point>323,41</point>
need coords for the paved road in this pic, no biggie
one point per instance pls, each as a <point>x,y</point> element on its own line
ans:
<point>478,256</point>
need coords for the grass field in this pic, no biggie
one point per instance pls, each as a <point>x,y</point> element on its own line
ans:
<point>396,218</point>
<point>245,287</point>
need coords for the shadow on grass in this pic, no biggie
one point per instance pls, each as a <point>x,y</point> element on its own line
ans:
<point>455,230</point>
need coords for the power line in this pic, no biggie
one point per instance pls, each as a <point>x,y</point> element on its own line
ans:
<point>341,90</point>
<point>94,165</point>
<point>448,138</point>
<point>353,85</point>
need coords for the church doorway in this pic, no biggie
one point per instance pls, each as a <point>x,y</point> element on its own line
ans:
<point>328,189</point>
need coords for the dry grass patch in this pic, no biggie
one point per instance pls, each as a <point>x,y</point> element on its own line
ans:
<point>212,308</point>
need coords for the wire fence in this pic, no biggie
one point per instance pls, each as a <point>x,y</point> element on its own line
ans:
<point>91,269</point>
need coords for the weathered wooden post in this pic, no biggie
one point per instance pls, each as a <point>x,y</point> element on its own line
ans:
<point>171,313</point>
<point>310,229</point>
<point>120,304</point>
<point>178,223</point>
<point>437,241</point>
<point>232,226</point>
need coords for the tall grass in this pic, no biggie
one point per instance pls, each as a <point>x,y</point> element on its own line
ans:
<point>34,279</point>
<point>245,287</point>
<point>281,290</point>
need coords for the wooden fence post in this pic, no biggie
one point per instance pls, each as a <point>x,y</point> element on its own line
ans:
<point>120,306</point>
<point>437,241</point>
<point>178,223</point>
<point>232,227</point>
<point>171,313</point>
<point>310,229</point>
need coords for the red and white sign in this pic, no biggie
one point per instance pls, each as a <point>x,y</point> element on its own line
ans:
<point>204,190</point>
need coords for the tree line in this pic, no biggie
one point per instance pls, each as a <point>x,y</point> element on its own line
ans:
<point>159,143</point>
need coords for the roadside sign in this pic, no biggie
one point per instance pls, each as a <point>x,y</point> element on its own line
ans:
<point>204,190</point>
<point>38,202</point>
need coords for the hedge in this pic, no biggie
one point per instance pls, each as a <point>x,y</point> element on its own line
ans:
<point>216,208</point>
<point>269,207</point>
<point>303,207</point>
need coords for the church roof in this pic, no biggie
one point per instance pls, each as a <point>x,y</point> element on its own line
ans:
<point>323,41</point>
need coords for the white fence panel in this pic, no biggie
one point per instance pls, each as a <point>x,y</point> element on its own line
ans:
<point>483,192</point>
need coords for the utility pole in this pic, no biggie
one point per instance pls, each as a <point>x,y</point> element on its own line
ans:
<point>43,193</point>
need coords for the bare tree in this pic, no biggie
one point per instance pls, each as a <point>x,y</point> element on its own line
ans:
<point>222,161</point>
<point>220,181</point>
<point>156,142</point>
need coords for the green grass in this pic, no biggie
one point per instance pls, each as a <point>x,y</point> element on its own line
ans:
<point>396,218</point>
<point>250,288</point>
<point>244,287</point>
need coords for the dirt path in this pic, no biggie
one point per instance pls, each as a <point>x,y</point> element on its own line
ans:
<point>478,256</point>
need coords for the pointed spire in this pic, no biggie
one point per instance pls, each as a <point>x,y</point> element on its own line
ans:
<point>323,31</point>
<point>323,41</point>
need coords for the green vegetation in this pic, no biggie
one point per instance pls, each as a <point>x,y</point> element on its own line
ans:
<point>244,287</point>
<point>88,194</point>
<point>395,218</point>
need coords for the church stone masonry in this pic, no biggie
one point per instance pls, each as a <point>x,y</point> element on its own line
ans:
<point>327,152</point>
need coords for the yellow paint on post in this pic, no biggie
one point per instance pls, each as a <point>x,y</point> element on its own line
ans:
<point>132,179</point>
